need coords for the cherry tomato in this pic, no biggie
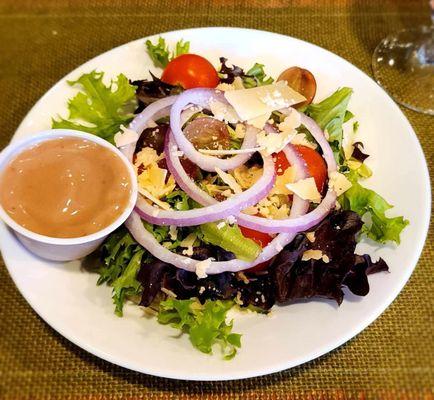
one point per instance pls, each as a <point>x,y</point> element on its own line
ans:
<point>316,165</point>
<point>207,133</point>
<point>280,162</point>
<point>260,238</point>
<point>190,71</point>
<point>302,81</point>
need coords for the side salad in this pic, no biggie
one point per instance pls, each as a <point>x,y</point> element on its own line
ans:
<point>251,194</point>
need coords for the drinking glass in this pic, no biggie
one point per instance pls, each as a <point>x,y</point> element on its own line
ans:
<point>403,64</point>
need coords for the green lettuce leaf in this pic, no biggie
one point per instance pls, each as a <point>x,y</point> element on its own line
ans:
<point>97,108</point>
<point>256,76</point>
<point>372,207</point>
<point>330,114</point>
<point>121,263</point>
<point>204,323</point>
<point>119,248</point>
<point>126,285</point>
<point>179,200</point>
<point>160,53</point>
<point>230,238</point>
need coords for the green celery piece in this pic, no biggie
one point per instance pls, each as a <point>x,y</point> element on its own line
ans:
<point>230,239</point>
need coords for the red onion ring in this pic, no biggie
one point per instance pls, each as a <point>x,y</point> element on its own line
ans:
<point>211,212</point>
<point>202,97</point>
<point>155,111</point>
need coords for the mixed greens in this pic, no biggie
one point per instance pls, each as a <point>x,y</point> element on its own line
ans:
<point>198,305</point>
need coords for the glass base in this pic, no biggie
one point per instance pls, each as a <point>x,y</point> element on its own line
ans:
<point>403,64</point>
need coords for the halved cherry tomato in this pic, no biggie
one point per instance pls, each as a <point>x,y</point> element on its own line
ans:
<point>260,238</point>
<point>280,162</point>
<point>316,165</point>
<point>190,71</point>
<point>302,81</point>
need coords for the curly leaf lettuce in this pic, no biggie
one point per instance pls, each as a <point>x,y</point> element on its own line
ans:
<point>97,108</point>
<point>123,256</point>
<point>160,53</point>
<point>204,323</point>
<point>372,207</point>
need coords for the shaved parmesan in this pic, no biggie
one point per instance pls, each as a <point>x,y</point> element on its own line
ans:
<point>315,255</point>
<point>282,180</point>
<point>125,137</point>
<point>290,123</point>
<point>310,236</point>
<point>153,179</point>
<point>259,122</point>
<point>312,255</point>
<point>162,204</point>
<point>223,112</point>
<point>146,156</point>
<point>306,189</point>
<point>254,102</point>
<point>240,131</point>
<point>229,180</point>
<point>173,232</point>
<point>339,182</point>
<point>202,267</point>
<point>275,142</point>
<point>348,137</point>
<point>301,139</point>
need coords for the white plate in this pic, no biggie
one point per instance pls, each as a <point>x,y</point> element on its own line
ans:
<point>68,299</point>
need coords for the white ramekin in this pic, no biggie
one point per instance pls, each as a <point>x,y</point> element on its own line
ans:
<point>64,249</point>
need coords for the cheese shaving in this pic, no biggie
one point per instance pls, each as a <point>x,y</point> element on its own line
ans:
<point>125,137</point>
<point>223,112</point>
<point>301,139</point>
<point>339,182</point>
<point>306,189</point>
<point>229,180</point>
<point>202,267</point>
<point>158,202</point>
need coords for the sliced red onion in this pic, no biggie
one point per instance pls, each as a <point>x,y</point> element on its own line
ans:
<point>203,97</point>
<point>211,212</point>
<point>135,225</point>
<point>155,111</point>
<point>288,225</point>
<point>147,240</point>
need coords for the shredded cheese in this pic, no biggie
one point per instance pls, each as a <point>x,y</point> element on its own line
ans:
<point>202,267</point>
<point>158,202</point>
<point>229,180</point>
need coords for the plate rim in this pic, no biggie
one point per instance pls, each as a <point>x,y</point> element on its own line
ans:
<point>277,366</point>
